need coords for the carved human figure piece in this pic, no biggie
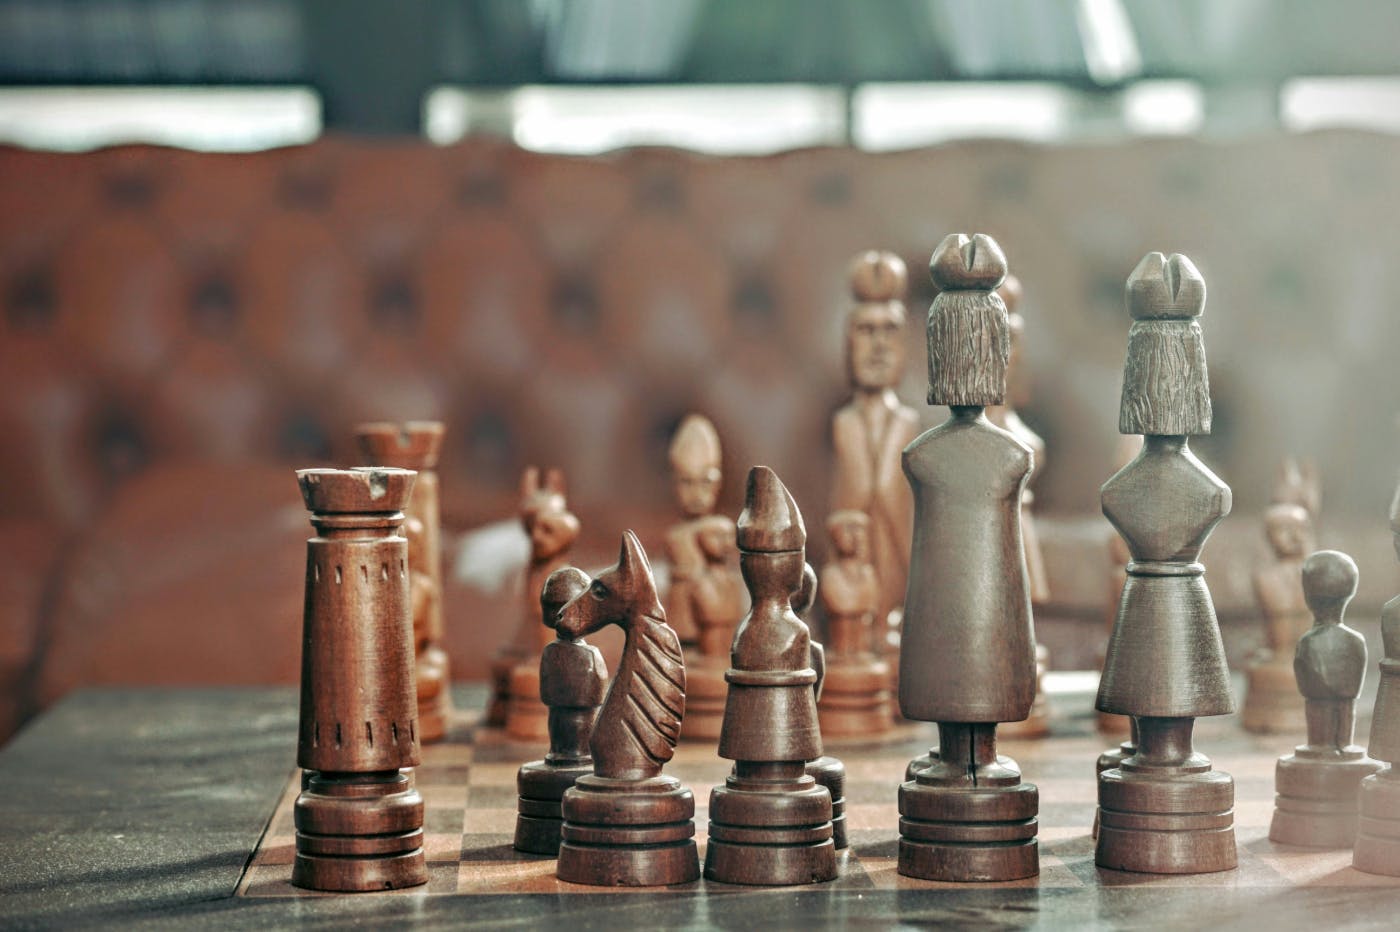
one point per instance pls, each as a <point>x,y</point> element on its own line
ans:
<point>1272,703</point>
<point>856,700</point>
<point>1164,810</point>
<point>873,428</point>
<point>552,530</point>
<point>416,445</point>
<point>359,820</point>
<point>1005,416</point>
<point>1377,848</point>
<point>770,823</point>
<point>967,659</point>
<point>718,602</point>
<point>695,457</point>
<point>1317,784</point>
<point>573,680</point>
<point>627,823</point>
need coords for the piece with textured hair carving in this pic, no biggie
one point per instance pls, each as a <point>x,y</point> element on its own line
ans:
<point>967,658</point>
<point>359,820</point>
<point>1163,809</point>
<point>627,823</point>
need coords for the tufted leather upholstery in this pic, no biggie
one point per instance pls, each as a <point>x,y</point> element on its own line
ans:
<point>178,330</point>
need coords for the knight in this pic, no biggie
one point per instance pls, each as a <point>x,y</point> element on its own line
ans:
<point>627,823</point>
<point>770,823</point>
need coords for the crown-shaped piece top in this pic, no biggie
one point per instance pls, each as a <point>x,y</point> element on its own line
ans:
<point>878,276</point>
<point>770,521</point>
<point>695,447</point>
<point>963,263</point>
<point>410,445</point>
<point>362,490</point>
<point>1163,288</point>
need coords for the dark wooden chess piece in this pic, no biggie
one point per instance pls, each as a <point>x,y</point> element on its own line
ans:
<point>1317,784</point>
<point>873,428</point>
<point>1125,451</point>
<point>718,602</point>
<point>1164,810</point>
<point>416,445</point>
<point>552,528</point>
<point>770,823</point>
<point>1005,416</point>
<point>359,820</point>
<point>855,700</point>
<point>1377,848</point>
<point>573,680</point>
<point>967,660</point>
<point>627,823</point>
<point>1272,702</point>
<point>827,770</point>
<point>696,459</point>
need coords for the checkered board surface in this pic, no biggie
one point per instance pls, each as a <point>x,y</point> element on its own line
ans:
<point>468,787</point>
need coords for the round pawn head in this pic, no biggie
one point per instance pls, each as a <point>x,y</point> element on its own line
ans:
<point>969,341</point>
<point>1165,388</point>
<point>771,521</point>
<point>1329,582</point>
<point>695,465</point>
<point>850,533</point>
<point>878,276</point>
<point>562,587</point>
<point>1289,528</point>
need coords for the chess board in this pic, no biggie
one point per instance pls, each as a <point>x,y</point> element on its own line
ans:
<point>468,788</point>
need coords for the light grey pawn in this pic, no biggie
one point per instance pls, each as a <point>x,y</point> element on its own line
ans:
<point>1316,785</point>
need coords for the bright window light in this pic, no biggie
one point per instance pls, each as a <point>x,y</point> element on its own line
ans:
<point>1361,103</point>
<point>717,119</point>
<point>899,116</point>
<point>1163,108</point>
<point>75,119</point>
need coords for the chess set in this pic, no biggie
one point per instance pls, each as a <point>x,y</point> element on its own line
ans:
<point>731,749</point>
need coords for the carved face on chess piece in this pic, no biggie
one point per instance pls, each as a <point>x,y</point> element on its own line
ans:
<point>544,512</point>
<point>1290,531</point>
<point>716,539</point>
<point>875,328</point>
<point>695,466</point>
<point>850,534</point>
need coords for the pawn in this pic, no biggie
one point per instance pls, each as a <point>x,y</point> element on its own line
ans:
<point>718,601</point>
<point>770,823</point>
<point>828,771</point>
<point>627,823</point>
<point>1317,783</point>
<point>855,700</point>
<point>1378,829</point>
<point>573,678</point>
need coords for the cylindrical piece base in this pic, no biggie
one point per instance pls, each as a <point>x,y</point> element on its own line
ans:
<point>628,833</point>
<point>776,835</point>
<point>829,772</point>
<point>539,809</point>
<point>1175,821</point>
<point>527,717</point>
<point>1316,801</point>
<point>964,833</point>
<point>356,835</point>
<point>1377,848</point>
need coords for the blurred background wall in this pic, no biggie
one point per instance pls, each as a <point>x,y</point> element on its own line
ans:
<point>561,226</point>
